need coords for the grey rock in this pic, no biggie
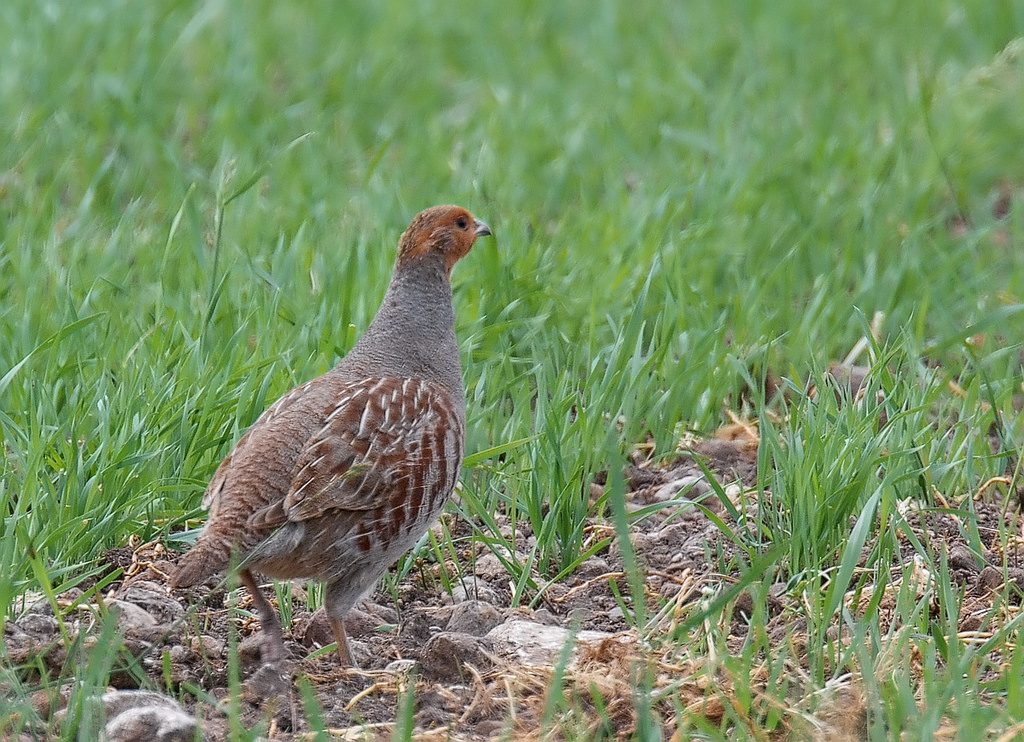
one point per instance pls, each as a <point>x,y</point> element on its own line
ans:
<point>386,613</point>
<point>250,647</point>
<point>473,617</point>
<point>400,667</point>
<point>210,646</point>
<point>359,623</point>
<point>544,616</point>
<point>144,716</point>
<point>675,488</point>
<point>537,645</point>
<point>489,567</point>
<point>962,560</point>
<point>316,631</point>
<point>41,626</point>
<point>131,618</point>
<point>472,588</point>
<point>593,567</point>
<point>154,599</point>
<point>445,655</point>
<point>19,644</point>
<point>269,681</point>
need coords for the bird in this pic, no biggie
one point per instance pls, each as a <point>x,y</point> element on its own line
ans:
<point>344,473</point>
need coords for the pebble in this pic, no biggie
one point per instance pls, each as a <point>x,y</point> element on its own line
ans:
<point>962,560</point>
<point>269,681</point>
<point>400,667</point>
<point>154,600</point>
<point>250,647</point>
<point>535,644</point>
<point>489,566</point>
<point>593,567</point>
<point>676,488</point>
<point>474,617</point>
<point>209,646</point>
<point>18,644</point>
<point>446,653</point>
<point>472,588</point>
<point>544,616</point>
<point>140,715</point>
<point>358,623</point>
<point>386,613</point>
<point>132,619</point>
<point>317,630</point>
<point>39,625</point>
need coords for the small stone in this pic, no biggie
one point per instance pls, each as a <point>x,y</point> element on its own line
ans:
<point>961,559</point>
<point>269,681</point>
<point>400,667</point>
<point>990,578</point>
<point>360,623</point>
<point>43,703</point>
<point>211,646</point>
<point>577,616</point>
<point>1015,576</point>
<point>471,588</point>
<point>494,729</point>
<point>19,644</point>
<point>40,626</point>
<point>416,628</point>
<point>489,567</point>
<point>970,623</point>
<point>250,647</point>
<point>131,618</point>
<point>535,644</point>
<point>387,614</point>
<point>593,567</point>
<point>743,607</point>
<point>134,715</point>
<point>544,616</point>
<point>446,653</point>
<point>317,631</point>
<point>616,613</point>
<point>675,489</point>
<point>473,617</point>
<point>154,600</point>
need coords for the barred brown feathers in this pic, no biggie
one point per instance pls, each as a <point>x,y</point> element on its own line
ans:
<point>346,472</point>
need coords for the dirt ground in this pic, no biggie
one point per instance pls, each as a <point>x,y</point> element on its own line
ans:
<point>481,668</point>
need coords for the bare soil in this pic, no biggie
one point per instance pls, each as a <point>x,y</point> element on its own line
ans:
<point>470,680</point>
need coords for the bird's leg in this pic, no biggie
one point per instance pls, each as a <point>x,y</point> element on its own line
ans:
<point>272,650</point>
<point>344,651</point>
<point>336,611</point>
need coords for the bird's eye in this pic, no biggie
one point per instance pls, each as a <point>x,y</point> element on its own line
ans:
<point>462,222</point>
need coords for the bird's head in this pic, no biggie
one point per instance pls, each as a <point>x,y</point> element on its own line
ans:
<point>445,231</point>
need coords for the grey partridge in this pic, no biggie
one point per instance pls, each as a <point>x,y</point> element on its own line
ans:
<point>343,474</point>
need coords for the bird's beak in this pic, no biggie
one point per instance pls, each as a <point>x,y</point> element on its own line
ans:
<point>482,228</point>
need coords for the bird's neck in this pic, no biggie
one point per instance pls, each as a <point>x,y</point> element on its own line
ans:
<point>413,332</point>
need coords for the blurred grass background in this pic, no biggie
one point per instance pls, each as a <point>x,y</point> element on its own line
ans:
<point>199,203</point>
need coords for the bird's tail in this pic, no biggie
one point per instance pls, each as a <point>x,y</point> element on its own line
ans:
<point>202,561</point>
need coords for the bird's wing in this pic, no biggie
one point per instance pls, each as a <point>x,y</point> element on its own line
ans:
<point>383,438</point>
<point>220,477</point>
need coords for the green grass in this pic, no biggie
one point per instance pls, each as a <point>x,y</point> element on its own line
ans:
<point>199,203</point>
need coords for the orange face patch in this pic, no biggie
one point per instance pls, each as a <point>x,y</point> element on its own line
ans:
<point>449,231</point>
